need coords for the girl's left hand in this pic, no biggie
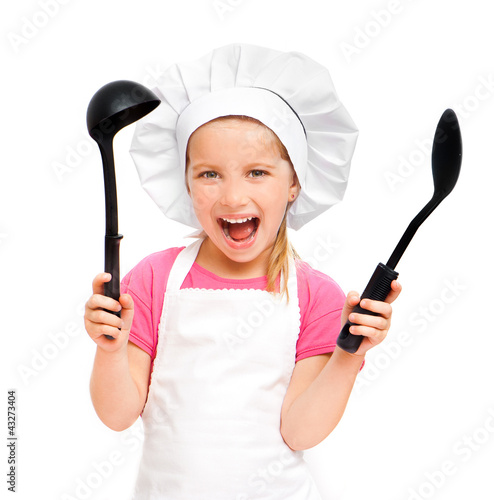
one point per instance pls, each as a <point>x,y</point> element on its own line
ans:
<point>373,328</point>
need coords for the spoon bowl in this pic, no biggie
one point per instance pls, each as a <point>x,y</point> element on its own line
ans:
<point>446,154</point>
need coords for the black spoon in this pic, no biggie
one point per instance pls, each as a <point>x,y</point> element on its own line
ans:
<point>113,107</point>
<point>446,163</point>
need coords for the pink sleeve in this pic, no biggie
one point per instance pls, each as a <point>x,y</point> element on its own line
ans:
<point>321,302</point>
<point>146,284</point>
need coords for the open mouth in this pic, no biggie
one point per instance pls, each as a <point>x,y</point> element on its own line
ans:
<point>239,230</point>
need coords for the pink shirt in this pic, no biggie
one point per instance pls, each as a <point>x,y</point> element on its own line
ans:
<point>320,299</point>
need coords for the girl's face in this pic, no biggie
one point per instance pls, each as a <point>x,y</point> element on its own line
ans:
<point>240,186</point>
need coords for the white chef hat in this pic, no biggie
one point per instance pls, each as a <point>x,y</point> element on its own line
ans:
<point>287,91</point>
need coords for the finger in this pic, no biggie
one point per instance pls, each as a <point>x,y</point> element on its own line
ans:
<point>376,322</point>
<point>97,301</point>
<point>97,330</point>
<point>373,334</point>
<point>127,313</point>
<point>395,291</point>
<point>377,306</point>
<point>103,317</point>
<point>99,283</point>
<point>352,299</point>
<point>126,301</point>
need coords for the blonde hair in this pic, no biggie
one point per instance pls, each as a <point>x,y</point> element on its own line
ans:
<point>283,250</point>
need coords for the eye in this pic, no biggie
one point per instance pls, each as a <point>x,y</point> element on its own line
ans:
<point>209,175</point>
<point>258,173</point>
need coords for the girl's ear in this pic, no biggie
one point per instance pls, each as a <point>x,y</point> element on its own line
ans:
<point>294,189</point>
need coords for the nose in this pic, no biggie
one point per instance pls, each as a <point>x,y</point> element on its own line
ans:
<point>234,193</point>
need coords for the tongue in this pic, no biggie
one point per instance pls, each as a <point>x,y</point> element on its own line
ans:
<point>241,230</point>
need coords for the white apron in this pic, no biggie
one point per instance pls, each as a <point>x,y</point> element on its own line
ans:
<point>212,419</point>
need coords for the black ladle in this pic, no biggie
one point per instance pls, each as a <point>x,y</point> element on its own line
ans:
<point>113,107</point>
<point>446,163</point>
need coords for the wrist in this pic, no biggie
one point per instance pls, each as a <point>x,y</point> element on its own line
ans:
<point>349,356</point>
<point>114,356</point>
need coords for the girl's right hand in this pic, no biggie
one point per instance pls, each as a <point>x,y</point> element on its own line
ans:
<point>99,322</point>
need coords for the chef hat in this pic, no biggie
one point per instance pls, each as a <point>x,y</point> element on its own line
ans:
<point>287,91</point>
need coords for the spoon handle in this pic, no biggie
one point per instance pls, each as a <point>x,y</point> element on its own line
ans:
<point>377,289</point>
<point>112,266</point>
<point>412,229</point>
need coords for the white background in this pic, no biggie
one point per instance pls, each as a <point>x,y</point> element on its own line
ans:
<point>424,402</point>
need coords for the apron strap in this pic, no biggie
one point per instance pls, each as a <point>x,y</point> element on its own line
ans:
<point>182,266</point>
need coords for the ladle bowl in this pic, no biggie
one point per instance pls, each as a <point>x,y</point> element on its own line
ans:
<point>116,105</point>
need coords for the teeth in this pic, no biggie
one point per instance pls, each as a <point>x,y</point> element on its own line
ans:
<point>237,221</point>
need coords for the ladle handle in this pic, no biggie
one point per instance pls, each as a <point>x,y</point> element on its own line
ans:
<point>112,266</point>
<point>378,288</point>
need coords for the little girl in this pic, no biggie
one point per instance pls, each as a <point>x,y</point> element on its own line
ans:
<point>227,347</point>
